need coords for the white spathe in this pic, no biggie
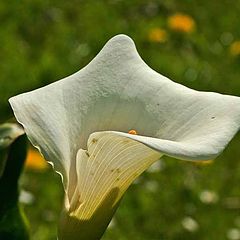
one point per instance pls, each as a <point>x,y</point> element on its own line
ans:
<point>81,125</point>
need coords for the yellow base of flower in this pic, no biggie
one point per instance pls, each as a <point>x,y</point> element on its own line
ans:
<point>72,228</point>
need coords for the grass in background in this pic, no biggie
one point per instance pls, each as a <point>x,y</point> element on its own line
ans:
<point>193,43</point>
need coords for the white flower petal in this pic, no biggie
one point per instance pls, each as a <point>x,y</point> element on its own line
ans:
<point>105,170</point>
<point>114,93</point>
<point>111,162</point>
<point>117,91</point>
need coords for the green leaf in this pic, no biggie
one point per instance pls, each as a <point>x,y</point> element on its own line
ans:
<point>9,132</point>
<point>13,149</point>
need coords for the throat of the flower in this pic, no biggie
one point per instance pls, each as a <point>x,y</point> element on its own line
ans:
<point>104,171</point>
<point>71,227</point>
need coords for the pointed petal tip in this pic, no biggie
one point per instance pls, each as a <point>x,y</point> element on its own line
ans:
<point>12,103</point>
<point>119,52</point>
<point>122,41</point>
<point>10,100</point>
<point>15,103</point>
<point>122,38</point>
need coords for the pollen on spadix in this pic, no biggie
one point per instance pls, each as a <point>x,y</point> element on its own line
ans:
<point>132,131</point>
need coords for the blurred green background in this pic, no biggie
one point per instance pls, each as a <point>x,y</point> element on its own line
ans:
<point>195,43</point>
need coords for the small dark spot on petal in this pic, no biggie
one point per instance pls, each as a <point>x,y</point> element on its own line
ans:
<point>94,140</point>
<point>212,117</point>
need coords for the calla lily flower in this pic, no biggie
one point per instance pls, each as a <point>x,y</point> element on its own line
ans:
<point>104,125</point>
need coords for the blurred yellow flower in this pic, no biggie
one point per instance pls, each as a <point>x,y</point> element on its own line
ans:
<point>181,23</point>
<point>235,48</point>
<point>157,35</point>
<point>35,161</point>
